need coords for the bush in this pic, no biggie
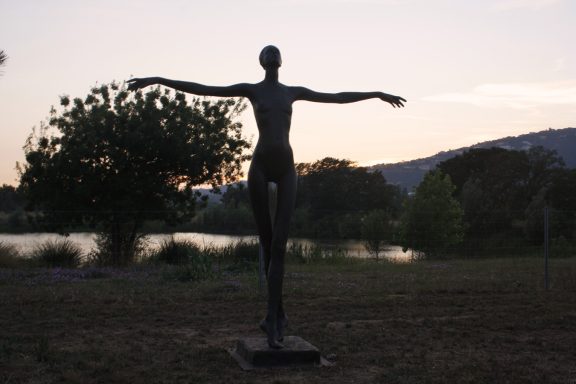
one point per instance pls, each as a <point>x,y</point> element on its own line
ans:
<point>315,254</point>
<point>199,267</point>
<point>9,256</point>
<point>376,232</point>
<point>57,254</point>
<point>244,255</point>
<point>176,252</point>
<point>130,249</point>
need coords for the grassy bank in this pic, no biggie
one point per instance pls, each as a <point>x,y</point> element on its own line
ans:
<point>486,321</point>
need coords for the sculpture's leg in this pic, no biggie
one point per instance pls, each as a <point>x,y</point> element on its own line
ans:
<point>258,189</point>
<point>286,198</point>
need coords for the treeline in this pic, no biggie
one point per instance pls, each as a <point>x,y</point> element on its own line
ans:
<point>491,201</point>
<point>482,202</point>
<point>334,196</point>
<point>12,215</point>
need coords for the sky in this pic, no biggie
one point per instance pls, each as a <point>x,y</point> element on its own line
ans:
<point>470,70</point>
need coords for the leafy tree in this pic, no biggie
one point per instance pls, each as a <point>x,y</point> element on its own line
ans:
<point>376,230</point>
<point>432,222</point>
<point>334,194</point>
<point>12,216</point>
<point>116,159</point>
<point>235,196</point>
<point>495,186</point>
<point>3,58</point>
<point>331,184</point>
<point>10,199</point>
<point>560,198</point>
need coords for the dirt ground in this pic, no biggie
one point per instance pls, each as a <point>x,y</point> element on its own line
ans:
<point>448,322</point>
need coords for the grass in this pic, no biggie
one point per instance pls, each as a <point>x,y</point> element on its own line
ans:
<point>315,254</point>
<point>57,254</point>
<point>465,321</point>
<point>176,252</point>
<point>9,256</point>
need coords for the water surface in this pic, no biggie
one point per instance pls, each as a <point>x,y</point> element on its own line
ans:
<point>355,248</point>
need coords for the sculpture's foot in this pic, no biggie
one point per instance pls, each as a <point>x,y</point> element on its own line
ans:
<point>275,344</point>
<point>271,332</point>
<point>282,325</point>
<point>263,326</point>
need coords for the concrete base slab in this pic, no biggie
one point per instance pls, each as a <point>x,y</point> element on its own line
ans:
<point>254,352</point>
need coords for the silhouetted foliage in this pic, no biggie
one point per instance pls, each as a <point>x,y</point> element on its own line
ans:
<point>10,199</point>
<point>502,192</point>
<point>116,159</point>
<point>3,59</point>
<point>376,231</point>
<point>560,198</point>
<point>334,195</point>
<point>235,196</point>
<point>432,221</point>
<point>12,216</point>
<point>232,214</point>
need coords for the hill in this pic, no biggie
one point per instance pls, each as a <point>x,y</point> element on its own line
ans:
<point>408,174</point>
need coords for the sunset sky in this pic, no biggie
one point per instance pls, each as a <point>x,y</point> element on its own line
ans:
<point>470,70</point>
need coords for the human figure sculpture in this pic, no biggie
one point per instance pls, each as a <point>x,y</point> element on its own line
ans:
<point>272,161</point>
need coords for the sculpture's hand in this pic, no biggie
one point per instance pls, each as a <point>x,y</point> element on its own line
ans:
<point>396,101</point>
<point>137,83</point>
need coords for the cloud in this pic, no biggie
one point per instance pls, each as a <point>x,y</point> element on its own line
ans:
<point>377,2</point>
<point>559,65</point>
<point>534,5</point>
<point>513,95</point>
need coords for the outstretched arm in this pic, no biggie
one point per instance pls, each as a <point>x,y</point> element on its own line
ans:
<point>302,93</point>
<point>236,90</point>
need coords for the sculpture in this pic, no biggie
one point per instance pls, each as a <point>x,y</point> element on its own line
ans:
<point>272,161</point>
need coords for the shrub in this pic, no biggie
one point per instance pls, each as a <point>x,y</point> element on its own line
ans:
<point>199,267</point>
<point>130,249</point>
<point>244,255</point>
<point>376,231</point>
<point>315,254</point>
<point>57,254</point>
<point>9,256</point>
<point>176,252</point>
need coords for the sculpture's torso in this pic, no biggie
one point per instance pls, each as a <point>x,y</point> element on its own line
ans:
<point>272,104</point>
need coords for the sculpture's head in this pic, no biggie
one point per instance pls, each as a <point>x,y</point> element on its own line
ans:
<point>270,57</point>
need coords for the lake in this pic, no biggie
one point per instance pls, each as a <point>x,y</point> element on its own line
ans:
<point>28,241</point>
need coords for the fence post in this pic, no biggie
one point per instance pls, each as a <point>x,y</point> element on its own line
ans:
<point>546,248</point>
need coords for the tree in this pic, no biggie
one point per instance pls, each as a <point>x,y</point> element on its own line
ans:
<point>376,231</point>
<point>495,187</point>
<point>3,58</point>
<point>117,159</point>
<point>10,199</point>
<point>432,222</point>
<point>334,194</point>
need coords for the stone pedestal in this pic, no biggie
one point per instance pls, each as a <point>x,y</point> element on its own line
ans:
<point>254,352</point>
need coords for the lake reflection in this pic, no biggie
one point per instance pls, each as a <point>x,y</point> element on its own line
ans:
<point>355,248</point>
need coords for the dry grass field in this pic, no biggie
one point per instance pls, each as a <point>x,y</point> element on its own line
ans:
<point>486,321</point>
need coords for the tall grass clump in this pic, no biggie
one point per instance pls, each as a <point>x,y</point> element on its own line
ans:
<point>9,255</point>
<point>118,250</point>
<point>244,255</point>
<point>187,261</point>
<point>174,252</point>
<point>315,254</point>
<point>57,254</point>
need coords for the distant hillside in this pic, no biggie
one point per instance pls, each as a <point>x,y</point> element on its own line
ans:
<point>408,174</point>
